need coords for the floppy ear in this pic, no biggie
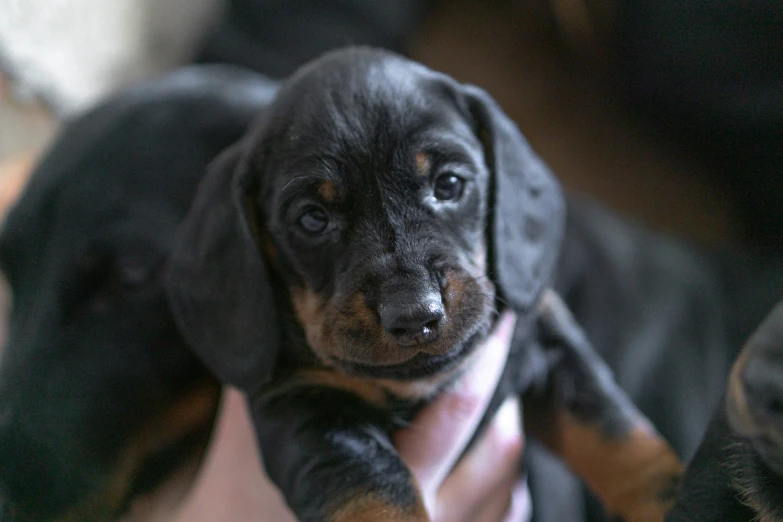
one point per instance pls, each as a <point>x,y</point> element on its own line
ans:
<point>526,206</point>
<point>216,279</point>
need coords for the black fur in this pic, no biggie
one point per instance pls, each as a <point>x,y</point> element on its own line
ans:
<point>93,354</point>
<point>355,120</point>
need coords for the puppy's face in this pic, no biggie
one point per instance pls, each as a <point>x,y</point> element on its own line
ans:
<point>364,193</point>
<point>373,204</point>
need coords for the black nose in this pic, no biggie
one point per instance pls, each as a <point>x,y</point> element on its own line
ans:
<point>411,321</point>
<point>763,383</point>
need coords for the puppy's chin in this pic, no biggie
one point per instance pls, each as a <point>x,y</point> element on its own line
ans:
<point>420,366</point>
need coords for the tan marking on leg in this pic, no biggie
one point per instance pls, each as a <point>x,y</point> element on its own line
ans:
<point>165,429</point>
<point>423,164</point>
<point>630,475</point>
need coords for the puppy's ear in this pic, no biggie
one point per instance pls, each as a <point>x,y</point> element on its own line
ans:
<point>526,206</point>
<point>216,279</point>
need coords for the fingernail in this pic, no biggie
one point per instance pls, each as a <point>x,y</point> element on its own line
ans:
<point>508,422</point>
<point>521,508</point>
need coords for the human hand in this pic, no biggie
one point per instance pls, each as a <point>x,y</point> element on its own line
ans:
<point>482,487</point>
<point>485,485</point>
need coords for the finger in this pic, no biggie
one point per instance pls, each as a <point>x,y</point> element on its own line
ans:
<point>513,505</point>
<point>440,432</point>
<point>483,480</point>
<point>495,509</point>
<point>521,507</point>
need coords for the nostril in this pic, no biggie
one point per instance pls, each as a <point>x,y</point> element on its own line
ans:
<point>412,325</point>
<point>434,324</point>
<point>398,332</point>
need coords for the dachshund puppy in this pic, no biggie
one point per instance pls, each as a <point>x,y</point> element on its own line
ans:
<point>138,157</point>
<point>100,398</point>
<point>341,262</point>
<point>737,474</point>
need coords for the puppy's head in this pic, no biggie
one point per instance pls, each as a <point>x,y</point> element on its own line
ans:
<point>389,201</point>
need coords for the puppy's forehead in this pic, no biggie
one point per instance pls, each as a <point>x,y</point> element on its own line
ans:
<point>365,111</point>
<point>374,92</point>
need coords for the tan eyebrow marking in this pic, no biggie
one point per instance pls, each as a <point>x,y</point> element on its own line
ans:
<point>423,163</point>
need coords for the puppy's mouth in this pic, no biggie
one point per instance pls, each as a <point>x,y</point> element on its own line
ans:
<point>419,366</point>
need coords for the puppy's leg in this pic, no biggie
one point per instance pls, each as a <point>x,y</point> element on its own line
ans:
<point>584,417</point>
<point>325,450</point>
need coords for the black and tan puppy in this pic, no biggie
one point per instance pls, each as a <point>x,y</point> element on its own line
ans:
<point>100,398</point>
<point>341,262</point>
<point>737,474</point>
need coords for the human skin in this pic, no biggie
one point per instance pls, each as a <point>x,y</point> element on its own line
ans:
<point>484,486</point>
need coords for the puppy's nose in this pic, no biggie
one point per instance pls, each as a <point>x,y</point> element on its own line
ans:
<point>411,322</point>
<point>762,381</point>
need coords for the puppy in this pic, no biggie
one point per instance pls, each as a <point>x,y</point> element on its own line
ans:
<point>737,474</point>
<point>621,281</point>
<point>342,261</point>
<point>100,398</point>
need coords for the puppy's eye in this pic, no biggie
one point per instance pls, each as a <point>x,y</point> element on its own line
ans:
<point>314,220</point>
<point>448,187</point>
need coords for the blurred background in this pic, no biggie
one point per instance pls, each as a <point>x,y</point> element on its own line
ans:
<point>669,111</point>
